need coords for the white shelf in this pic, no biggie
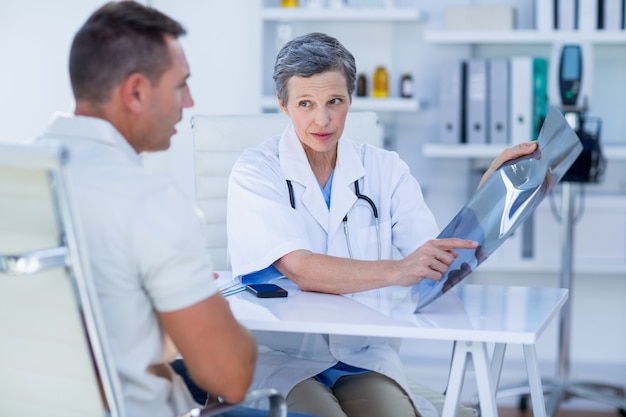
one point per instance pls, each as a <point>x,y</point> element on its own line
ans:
<point>601,267</point>
<point>364,104</point>
<point>523,37</point>
<point>464,151</point>
<point>343,14</point>
<point>614,152</point>
<point>349,14</point>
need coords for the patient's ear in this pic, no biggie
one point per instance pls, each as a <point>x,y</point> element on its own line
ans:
<point>136,90</point>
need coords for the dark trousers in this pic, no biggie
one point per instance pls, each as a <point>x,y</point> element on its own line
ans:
<point>201,396</point>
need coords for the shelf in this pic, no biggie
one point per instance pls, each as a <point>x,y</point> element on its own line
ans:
<point>364,104</point>
<point>614,152</point>
<point>464,151</point>
<point>343,14</point>
<point>523,37</point>
<point>589,267</point>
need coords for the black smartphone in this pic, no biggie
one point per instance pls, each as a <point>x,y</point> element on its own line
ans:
<point>266,290</point>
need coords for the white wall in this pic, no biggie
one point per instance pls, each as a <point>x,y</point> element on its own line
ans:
<point>222,47</point>
<point>34,42</point>
<point>224,51</point>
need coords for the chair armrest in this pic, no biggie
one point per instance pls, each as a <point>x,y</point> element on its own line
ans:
<point>278,405</point>
<point>33,262</point>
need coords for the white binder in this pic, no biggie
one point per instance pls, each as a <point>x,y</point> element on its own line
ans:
<point>566,14</point>
<point>612,14</point>
<point>544,15</point>
<point>498,101</point>
<point>476,101</point>
<point>587,15</point>
<point>521,99</point>
<point>451,101</point>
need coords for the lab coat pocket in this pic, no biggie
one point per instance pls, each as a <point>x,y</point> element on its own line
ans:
<point>362,233</point>
<point>367,238</point>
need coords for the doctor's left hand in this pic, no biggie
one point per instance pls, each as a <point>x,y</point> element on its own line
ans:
<point>516,151</point>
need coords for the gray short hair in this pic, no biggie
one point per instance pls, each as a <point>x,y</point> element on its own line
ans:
<point>311,54</point>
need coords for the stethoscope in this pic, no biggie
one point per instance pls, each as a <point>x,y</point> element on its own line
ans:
<point>363,197</point>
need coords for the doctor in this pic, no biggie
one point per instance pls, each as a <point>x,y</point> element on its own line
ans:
<point>327,213</point>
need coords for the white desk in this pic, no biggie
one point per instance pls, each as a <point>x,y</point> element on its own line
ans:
<point>471,315</point>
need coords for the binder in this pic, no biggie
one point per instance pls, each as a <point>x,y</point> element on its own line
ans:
<point>587,15</point>
<point>566,17</point>
<point>521,99</point>
<point>544,15</point>
<point>452,102</point>
<point>498,101</point>
<point>540,95</point>
<point>476,101</point>
<point>610,14</point>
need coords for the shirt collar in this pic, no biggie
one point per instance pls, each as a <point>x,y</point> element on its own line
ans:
<point>87,128</point>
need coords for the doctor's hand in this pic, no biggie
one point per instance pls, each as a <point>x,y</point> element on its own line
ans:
<point>431,260</point>
<point>516,151</point>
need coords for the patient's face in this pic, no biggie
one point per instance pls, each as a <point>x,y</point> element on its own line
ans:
<point>318,106</point>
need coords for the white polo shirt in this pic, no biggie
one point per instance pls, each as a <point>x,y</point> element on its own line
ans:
<point>147,252</point>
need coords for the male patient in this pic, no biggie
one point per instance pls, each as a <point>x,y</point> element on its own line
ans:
<point>146,244</point>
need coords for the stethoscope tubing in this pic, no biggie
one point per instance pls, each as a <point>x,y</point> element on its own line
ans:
<point>359,196</point>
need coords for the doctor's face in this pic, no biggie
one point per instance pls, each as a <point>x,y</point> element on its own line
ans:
<point>318,106</point>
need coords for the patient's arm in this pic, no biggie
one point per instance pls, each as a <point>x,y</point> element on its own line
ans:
<point>219,353</point>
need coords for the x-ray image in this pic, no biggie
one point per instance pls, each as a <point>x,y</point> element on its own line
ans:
<point>503,202</point>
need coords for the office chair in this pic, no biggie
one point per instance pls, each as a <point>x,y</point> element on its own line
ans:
<point>54,354</point>
<point>218,142</point>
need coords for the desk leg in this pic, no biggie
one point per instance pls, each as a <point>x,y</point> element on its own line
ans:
<point>534,381</point>
<point>455,380</point>
<point>496,363</point>
<point>484,379</point>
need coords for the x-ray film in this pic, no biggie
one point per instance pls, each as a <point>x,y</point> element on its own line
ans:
<point>503,202</point>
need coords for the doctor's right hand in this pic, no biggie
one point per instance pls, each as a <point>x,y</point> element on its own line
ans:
<point>431,260</point>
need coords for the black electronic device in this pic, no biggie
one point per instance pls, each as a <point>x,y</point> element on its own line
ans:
<point>267,290</point>
<point>570,74</point>
<point>591,164</point>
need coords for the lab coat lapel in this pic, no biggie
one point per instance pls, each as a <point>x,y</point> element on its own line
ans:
<point>348,169</point>
<point>296,168</point>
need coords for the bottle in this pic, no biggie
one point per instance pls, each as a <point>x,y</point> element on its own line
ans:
<point>406,85</point>
<point>361,85</point>
<point>381,83</point>
<point>289,3</point>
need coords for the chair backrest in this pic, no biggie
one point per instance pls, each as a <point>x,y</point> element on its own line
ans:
<point>54,358</point>
<point>218,142</point>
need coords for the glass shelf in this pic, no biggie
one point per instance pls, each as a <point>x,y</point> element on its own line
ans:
<point>365,104</point>
<point>342,14</point>
<point>464,151</point>
<point>523,36</point>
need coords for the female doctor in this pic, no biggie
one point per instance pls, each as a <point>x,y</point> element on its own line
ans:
<point>327,212</point>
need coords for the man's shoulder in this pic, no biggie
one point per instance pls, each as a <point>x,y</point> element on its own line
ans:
<point>103,173</point>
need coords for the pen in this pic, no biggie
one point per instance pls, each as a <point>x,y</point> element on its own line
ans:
<point>232,291</point>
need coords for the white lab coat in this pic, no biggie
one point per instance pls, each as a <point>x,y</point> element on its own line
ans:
<point>262,227</point>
